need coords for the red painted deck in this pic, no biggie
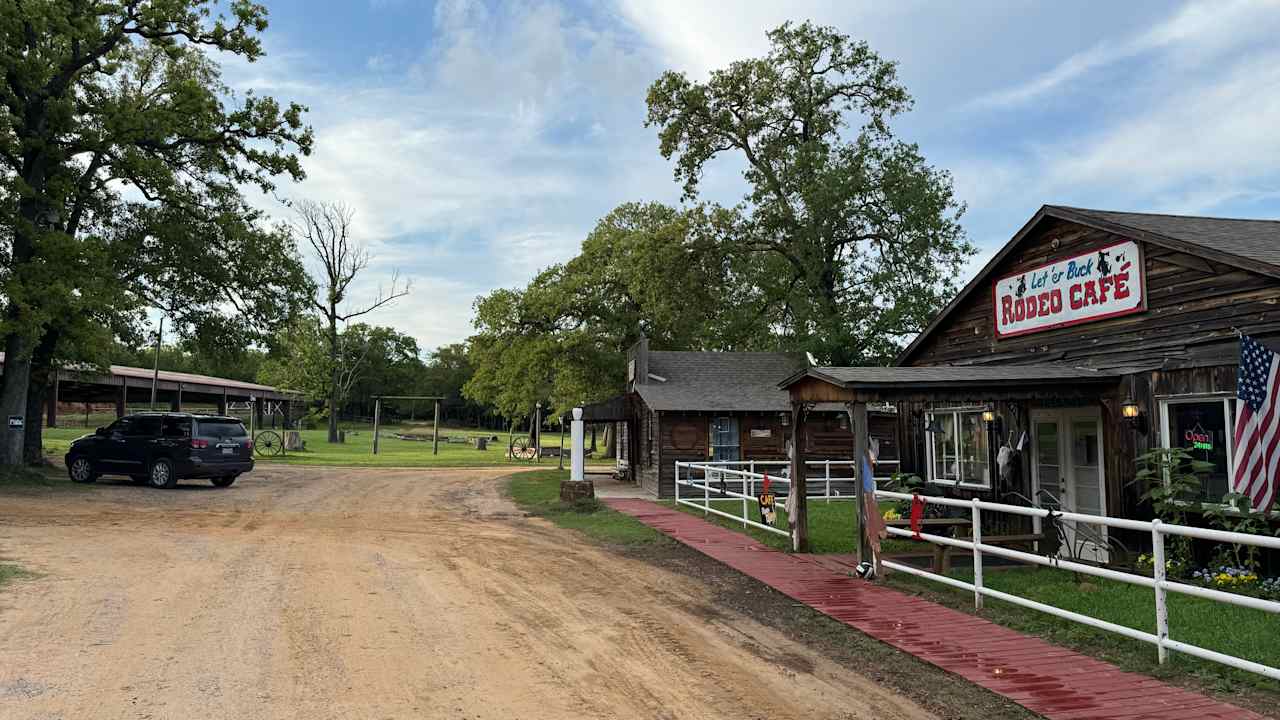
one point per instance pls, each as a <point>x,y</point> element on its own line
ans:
<point>1044,678</point>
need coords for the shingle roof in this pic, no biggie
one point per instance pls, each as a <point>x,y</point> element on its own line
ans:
<point>1257,240</point>
<point>950,375</point>
<point>718,381</point>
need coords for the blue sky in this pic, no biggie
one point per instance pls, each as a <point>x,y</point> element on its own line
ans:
<point>480,141</point>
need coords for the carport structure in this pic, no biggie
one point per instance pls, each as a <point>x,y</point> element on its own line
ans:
<point>124,385</point>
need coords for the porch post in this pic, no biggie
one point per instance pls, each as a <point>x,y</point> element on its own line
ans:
<point>800,519</point>
<point>122,400</point>
<point>858,421</point>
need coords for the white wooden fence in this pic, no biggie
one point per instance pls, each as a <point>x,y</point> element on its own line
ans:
<point>719,478</point>
<point>1159,583</point>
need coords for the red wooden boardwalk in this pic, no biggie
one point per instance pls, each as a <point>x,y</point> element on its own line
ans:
<point>1046,679</point>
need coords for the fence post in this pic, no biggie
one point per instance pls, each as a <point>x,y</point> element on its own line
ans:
<point>1158,574</point>
<point>828,482</point>
<point>677,484</point>
<point>706,494</point>
<point>751,468</point>
<point>977,555</point>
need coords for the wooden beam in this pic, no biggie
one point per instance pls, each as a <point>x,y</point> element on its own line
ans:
<point>800,519</point>
<point>435,431</point>
<point>858,421</point>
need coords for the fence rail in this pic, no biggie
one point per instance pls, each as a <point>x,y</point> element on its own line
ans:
<point>824,477</point>
<point>1159,583</point>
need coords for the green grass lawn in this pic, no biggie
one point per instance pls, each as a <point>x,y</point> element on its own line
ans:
<point>538,493</point>
<point>832,525</point>
<point>358,449</point>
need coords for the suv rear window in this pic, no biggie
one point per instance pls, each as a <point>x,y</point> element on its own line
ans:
<point>177,427</point>
<point>220,428</point>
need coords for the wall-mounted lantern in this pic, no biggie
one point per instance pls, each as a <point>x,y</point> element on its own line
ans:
<point>843,421</point>
<point>994,422</point>
<point>1133,416</point>
<point>784,418</point>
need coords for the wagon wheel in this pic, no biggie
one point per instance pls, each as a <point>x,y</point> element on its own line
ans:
<point>269,443</point>
<point>522,449</point>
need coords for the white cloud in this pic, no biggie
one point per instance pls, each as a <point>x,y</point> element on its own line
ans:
<point>488,160</point>
<point>1201,29</point>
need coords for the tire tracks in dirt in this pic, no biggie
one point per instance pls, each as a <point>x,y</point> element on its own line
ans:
<point>373,593</point>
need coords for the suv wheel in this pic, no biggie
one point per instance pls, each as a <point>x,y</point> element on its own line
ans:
<point>81,470</point>
<point>224,481</point>
<point>162,474</point>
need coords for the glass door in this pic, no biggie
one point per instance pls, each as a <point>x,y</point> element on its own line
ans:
<point>1047,468</point>
<point>1068,475</point>
<point>1086,487</point>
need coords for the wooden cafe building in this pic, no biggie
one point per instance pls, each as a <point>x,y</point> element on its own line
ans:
<point>1089,338</point>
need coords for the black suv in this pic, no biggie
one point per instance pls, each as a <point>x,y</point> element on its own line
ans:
<point>159,448</point>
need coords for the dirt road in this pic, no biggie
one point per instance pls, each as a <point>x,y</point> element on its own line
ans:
<point>338,593</point>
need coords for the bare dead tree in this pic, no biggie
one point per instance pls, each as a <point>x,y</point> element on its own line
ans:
<point>327,229</point>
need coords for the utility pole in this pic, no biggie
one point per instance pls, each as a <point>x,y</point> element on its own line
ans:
<point>155,370</point>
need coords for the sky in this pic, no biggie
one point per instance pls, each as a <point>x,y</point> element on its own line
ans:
<point>479,142</point>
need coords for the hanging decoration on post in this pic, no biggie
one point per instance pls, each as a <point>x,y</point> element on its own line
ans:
<point>766,500</point>
<point>917,514</point>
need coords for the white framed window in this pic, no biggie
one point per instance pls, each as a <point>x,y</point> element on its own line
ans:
<point>725,442</point>
<point>959,452</point>
<point>1205,426</point>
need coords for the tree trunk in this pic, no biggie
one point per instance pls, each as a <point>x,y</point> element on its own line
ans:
<point>42,371</point>
<point>611,440</point>
<point>13,396</point>
<point>33,447</point>
<point>32,211</point>
<point>335,378</point>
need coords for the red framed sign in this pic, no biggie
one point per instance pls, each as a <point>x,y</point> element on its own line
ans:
<point>1102,283</point>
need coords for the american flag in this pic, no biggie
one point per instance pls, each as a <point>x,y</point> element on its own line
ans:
<point>1257,439</point>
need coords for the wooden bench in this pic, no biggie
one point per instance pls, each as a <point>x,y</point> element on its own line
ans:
<point>941,554</point>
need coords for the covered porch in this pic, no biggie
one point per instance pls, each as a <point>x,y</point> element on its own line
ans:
<point>1045,435</point>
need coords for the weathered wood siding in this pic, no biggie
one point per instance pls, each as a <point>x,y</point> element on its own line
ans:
<point>1192,306</point>
<point>1183,343</point>
<point>684,438</point>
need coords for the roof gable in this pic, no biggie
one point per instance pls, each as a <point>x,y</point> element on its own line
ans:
<point>718,381</point>
<point>1252,245</point>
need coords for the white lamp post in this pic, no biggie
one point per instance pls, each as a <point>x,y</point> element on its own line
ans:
<point>577,468</point>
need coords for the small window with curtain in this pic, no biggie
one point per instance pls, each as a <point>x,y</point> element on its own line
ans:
<point>958,448</point>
